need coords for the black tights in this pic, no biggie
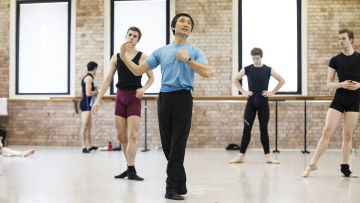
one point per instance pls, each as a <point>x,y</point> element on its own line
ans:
<point>260,104</point>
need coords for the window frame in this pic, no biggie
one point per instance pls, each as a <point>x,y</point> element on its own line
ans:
<point>299,90</point>
<point>18,4</point>
<point>112,91</point>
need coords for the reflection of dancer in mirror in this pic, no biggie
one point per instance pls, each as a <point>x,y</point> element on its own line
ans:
<point>127,100</point>
<point>7,152</point>
<point>179,61</point>
<point>346,101</point>
<point>258,76</point>
<point>88,91</point>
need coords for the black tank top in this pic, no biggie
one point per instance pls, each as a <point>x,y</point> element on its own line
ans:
<point>126,79</point>
<point>258,78</point>
<point>83,86</point>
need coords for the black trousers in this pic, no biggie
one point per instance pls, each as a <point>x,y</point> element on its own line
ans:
<point>174,114</point>
<point>255,104</point>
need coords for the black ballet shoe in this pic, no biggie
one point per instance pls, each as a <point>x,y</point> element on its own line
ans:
<point>84,150</point>
<point>131,174</point>
<point>345,169</point>
<point>135,177</point>
<point>122,175</point>
<point>93,148</point>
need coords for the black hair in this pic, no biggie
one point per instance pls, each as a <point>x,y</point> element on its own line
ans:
<point>92,65</point>
<point>174,20</point>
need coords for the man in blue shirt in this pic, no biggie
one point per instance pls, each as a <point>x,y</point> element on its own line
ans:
<point>179,61</point>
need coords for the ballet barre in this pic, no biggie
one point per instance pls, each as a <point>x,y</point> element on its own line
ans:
<point>276,99</point>
<point>144,98</point>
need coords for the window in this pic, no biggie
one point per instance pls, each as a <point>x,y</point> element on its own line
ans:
<point>275,27</point>
<point>151,17</point>
<point>43,47</point>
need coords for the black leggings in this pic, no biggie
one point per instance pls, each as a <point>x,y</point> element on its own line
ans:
<point>260,104</point>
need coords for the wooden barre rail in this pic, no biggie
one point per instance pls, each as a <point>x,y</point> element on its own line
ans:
<point>218,98</point>
<point>276,99</point>
<point>201,98</point>
<point>273,98</point>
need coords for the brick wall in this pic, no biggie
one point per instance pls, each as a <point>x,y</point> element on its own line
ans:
<point>4,48</point>
<point>212,34</point>
<point>325,19</point>
<point>89,39</point>
<point>214,124</point>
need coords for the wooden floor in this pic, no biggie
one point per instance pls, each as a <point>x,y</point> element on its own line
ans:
<point>64,174</point>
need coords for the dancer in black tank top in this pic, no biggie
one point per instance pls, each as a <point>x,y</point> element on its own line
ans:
<point>126,79</point>
<point>86,98</point>
<point>127,101</point>
<point>346,101</point>
<point>88,91</point>
<point>258,76</point>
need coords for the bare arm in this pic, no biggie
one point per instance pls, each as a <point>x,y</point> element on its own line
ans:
<point>236,82</point>
<point>140,92</point>
<point>135,69</point>
<point>88,90</point>
<point>109,77</point>
<point>280,80</point>
<point>201,69</point>
<point>278,86</point>
<point>105,85</point>
<point>335,85</point>
<point>150,80</point>
<point>149,74</point>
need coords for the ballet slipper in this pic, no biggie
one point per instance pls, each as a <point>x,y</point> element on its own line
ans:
<point>352,175</point>
<point>308,170</point>
<point>238,159</point>
<point>270,160</point>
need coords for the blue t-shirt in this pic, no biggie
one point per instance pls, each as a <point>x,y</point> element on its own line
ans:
<point>176,75</point>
